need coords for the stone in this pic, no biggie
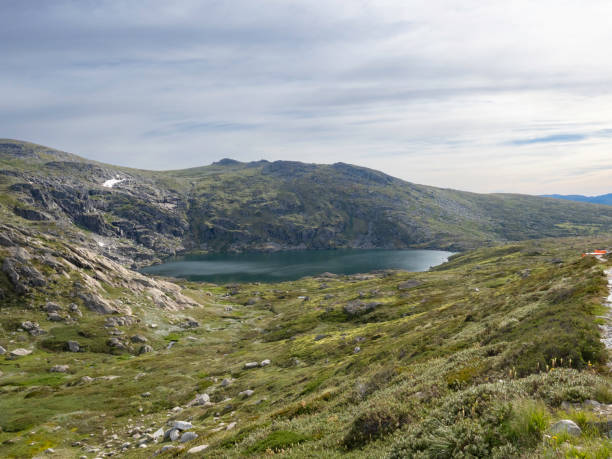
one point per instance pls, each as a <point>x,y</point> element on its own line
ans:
<point>250,365</point>
<point>52,307</point>
<point>358,307</point>
<point>54,317</point>
<point>32,328</point>
<point>230,426</point>
<point>200,400</point>
<point>226,382</point>
<point>159,433</point>
<point>74,309</point>
<point>408,284</point>
<point>73,346</point>
<point>19,352</point>
<point>59,369</point>
<point>86,379</point>
<point>265,363</point>
<point>566,426</point>
<point>320,337</point>
<point>188,436</point>
<point>357,350</point>
<point>172,434</point>
<point>197,449</point>
<point>165,448</point>
<point>2,350</point>
<point>190,323</point>
<point>138,339</point>
<point>182,425</point>
<point>246,393</point>
<point>145,349</point>
<point>50,451</point>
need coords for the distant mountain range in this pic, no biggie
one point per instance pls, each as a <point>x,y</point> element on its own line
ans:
<point>605,199</point>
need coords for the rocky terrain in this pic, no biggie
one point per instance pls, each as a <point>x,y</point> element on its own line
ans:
<point>139,217</point>
<point>496,353</point>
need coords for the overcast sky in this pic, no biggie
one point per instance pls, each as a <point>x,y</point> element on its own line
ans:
<point>510,96</point>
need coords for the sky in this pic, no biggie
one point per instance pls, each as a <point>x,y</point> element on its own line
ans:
<point>495,96</point>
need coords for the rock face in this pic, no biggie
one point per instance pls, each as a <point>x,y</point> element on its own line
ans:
<point>96,303</point>
<point>566,426</point>
<point>23,276</point>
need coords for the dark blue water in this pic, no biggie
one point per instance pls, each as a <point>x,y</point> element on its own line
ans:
<point>284,266</point>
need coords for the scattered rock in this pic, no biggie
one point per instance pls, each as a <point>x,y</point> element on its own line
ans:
<point>145,349</point>
<point>182,425</point>
<point>145,394</point>
<point>2,350</point>
<point>86,379</point>
<point>357,350</point>
<point>74,309</point>
<point>172,434</point>
<point>230,426</point>
<point>411,283</point>
<point>200,400</point>
<point>246,393</point>
<point>226,382</point>
<point>59,369</point>
<point>190,323</point>
<point>52,307</point>
<point>357,307</point>
<point>320,337</point>
<point>138,339</point>
<point>159,433</point>
<point>19,352</point>
<point>265,363</point>
<point>32,328</point>
<point>188,436</point>
<point>54,317</point>
<point>197,449</point>
<point>250,365</point>
<point>566,426</point>
<point>73,346</point>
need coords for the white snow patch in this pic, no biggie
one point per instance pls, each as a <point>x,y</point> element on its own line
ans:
<point>112,182</point>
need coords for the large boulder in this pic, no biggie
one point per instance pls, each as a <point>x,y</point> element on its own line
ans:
<point>566,426</point>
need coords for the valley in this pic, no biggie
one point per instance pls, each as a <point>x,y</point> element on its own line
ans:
<point>482,356</point>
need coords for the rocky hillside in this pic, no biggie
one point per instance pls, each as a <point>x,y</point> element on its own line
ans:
<point>138,217</point>
<point>497,353</point>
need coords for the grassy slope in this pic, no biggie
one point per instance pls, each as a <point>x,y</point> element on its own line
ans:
<point>459,362</point>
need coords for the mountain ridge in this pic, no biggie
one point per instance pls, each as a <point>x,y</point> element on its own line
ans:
<point>604,199</point>
<point>282,205</point>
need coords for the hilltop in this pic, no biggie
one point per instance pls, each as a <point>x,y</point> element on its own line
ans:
<point>142,216</point>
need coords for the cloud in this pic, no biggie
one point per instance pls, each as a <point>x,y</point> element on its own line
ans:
<point>555,138</point>
<point>428,91</point>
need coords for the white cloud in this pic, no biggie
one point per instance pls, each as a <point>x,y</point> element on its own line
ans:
<point>427,91</point>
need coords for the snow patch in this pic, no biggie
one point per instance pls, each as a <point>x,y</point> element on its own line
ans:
<point>112,182</point>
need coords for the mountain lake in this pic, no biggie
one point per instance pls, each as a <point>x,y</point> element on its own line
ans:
<point>292,265</point>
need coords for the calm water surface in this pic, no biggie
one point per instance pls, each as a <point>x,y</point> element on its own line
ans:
<point>284,266</point>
